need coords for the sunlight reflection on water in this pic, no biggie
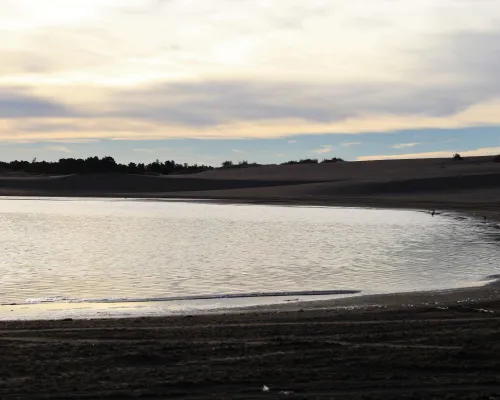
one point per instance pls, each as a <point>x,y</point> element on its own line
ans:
<point>77,249</point>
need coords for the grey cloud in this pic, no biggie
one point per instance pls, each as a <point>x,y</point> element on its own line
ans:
<point>458,72</point>
<point>17,104</point>
<point>471,58</point>
<point>475,54</point>
<point>212,103</point>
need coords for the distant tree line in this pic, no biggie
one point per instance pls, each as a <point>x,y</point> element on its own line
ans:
<point>94,165</point>
<point>239,164</point>
<point>313,161</point>
<point>243,164</point>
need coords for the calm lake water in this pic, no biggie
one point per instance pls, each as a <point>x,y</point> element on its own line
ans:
<point>64,251</point>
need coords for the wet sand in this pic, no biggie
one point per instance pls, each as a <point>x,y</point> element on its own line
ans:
<point>416,346</point>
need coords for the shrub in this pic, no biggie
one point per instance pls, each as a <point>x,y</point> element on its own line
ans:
<point>457,157</point>
<point>303,161</point>
<point>240,164</point>
<point>332,160</point>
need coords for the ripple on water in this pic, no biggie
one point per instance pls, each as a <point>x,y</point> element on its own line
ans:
<point>131,250</point>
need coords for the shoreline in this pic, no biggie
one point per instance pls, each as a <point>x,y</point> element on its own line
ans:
<point>490,209</point>
<point>425,351</point>
<point>354,298</point>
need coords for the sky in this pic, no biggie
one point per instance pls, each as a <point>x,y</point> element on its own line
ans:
<point>259,80</point>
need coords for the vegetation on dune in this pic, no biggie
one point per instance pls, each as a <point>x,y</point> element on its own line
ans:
<point>457,157</point>
<point>244,164</point>
<point>303,161</point>
<point>314,161</point>
<point>93,165</point>
<point>332,160</point>
<point>96,165</point>
<point>240,164</point>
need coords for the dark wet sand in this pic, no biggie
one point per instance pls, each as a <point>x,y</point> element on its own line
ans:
<point>420,346</point>
<point>415,345</point>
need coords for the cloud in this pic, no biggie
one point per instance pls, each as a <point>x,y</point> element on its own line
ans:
<point>487,151</point>
<point>214,103</point>
<point>77,141</point>
<point>348,144</point>
<point>325,148</point>
<point>237,151</point>
<point>16,130</point>
<point>292,141</point>
<point>17,103</point>
<point>233,69</point>
<point>60,149</point>
<point>152,150</point>
<point>404,145</point>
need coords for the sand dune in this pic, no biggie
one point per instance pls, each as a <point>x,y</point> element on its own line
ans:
<point>360,170</point>
<point>440,182</point>
<point>118,183</point>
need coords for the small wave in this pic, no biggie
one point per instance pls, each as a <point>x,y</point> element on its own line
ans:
<point>50,299</point>
<point>63,299</point>
<point>493,277</point>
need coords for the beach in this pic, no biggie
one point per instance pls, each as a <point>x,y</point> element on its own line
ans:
<point>426,346</point>
<point>409,345</point>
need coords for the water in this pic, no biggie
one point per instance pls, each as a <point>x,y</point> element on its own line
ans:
<point>102,251</point>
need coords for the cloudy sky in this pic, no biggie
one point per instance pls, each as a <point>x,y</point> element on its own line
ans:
<point>258,80</point>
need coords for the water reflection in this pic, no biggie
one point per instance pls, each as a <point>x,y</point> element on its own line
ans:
<point>110,249</point>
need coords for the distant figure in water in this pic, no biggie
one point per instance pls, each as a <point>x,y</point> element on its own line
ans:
<point>432,212</point>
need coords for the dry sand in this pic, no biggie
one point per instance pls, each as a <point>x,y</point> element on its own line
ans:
<point>419,346</point>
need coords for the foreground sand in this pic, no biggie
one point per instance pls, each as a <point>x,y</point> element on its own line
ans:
<point>423,346</point>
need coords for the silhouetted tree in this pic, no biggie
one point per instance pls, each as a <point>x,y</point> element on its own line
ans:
<point>94,165</point>
<point>303,161</point>
<point>331,160</point>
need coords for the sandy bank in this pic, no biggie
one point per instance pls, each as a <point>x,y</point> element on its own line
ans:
<point>400,349</point>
